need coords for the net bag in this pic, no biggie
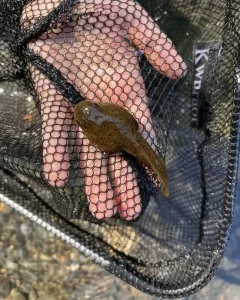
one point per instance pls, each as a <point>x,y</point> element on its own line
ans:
<point>173,65</point>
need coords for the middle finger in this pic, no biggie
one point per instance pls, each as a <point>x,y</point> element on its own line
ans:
<point>98,187</point>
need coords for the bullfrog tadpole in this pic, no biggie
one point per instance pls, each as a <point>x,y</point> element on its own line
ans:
<point>112,129</point>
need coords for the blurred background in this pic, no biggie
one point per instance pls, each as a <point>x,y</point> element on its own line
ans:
<point>34,265</point>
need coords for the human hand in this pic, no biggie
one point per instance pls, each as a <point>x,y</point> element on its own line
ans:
<point>97,54</point>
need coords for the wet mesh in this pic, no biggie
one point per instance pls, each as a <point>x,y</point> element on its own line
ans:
<point>173,65</point>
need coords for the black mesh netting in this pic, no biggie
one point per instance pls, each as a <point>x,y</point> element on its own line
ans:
<point>102,186</point>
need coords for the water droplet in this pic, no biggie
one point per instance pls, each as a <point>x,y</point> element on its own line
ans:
<point>187,33</point>
<point>1,90</point>
<point>165,12</point>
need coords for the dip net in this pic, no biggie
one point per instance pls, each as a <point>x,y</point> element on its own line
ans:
<point>174,65</point>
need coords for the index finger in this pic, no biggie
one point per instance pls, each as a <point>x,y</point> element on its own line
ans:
<point>158,48</point>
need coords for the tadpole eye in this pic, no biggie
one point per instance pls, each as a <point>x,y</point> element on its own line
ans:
<point>86,112</point>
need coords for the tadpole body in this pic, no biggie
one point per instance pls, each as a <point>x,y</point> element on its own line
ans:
<point>112,129</point>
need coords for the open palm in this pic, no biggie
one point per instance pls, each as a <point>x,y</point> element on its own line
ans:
<point>96,52</point>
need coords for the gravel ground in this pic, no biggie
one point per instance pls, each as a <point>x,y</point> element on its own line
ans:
<point>36,265</point>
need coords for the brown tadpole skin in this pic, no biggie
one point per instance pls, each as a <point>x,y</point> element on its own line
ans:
<point>112,129</point>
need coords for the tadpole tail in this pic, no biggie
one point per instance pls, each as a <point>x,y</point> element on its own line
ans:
<point>149,158</point>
